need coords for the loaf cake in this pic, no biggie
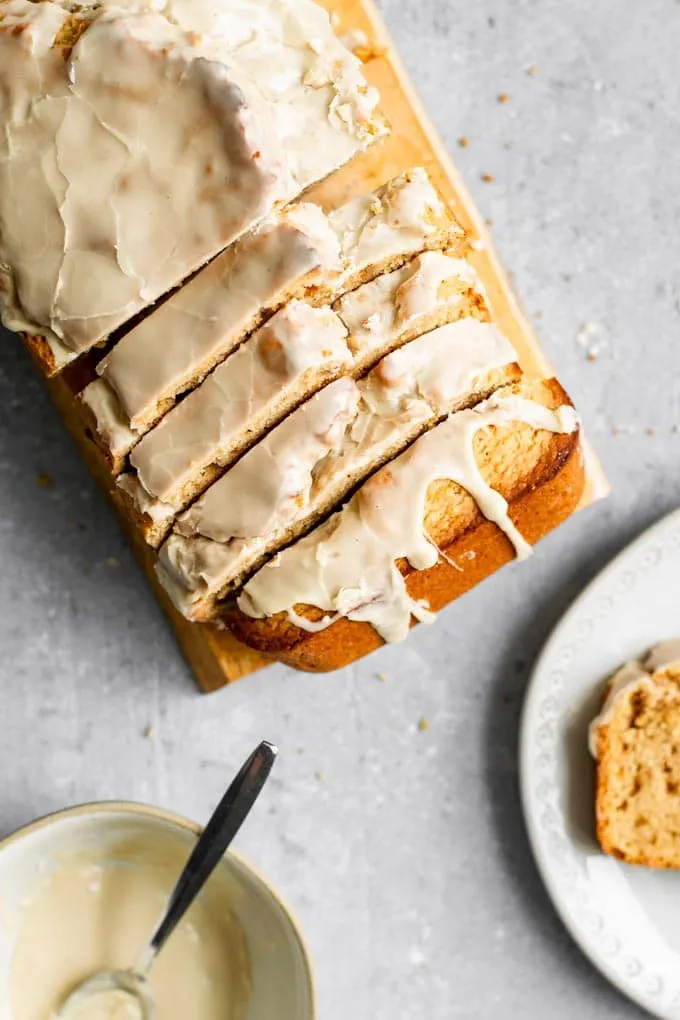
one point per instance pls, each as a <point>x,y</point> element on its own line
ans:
<point>636,743</point>
<point>305,407</point>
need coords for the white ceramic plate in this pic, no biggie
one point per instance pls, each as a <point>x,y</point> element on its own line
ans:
<point>626,919</point>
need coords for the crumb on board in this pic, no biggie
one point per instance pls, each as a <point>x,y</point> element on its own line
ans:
<point>649,431</point>
<point>533,70</point>
<point>503,97</point>
<point>44,480</point>
<point>320,776</point>
<point>591,355</point>
<point>150,732</point>
<point>112,561</point>
<point>463,142</point>
<point>381,676</point>
<point>488,178</point>
<point>489,222</point>
<point>423,724</point>
<point>369,52</point>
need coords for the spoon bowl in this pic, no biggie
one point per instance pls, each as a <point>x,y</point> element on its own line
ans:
<point>115,994</point>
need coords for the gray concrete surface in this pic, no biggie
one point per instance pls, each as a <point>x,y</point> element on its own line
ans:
<point>403,851</point>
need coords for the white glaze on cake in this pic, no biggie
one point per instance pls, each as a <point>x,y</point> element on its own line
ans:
<point>104,204</point>
<point>348,566</point>
<point>291,476</point>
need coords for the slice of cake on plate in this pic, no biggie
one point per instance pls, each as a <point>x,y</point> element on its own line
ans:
<point>636,743</point>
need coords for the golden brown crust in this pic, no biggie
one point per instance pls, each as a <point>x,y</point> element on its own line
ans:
<point>539,502</point>
<point>41,353</point>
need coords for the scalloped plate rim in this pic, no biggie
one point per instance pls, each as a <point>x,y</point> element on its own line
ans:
<point>662,530</point>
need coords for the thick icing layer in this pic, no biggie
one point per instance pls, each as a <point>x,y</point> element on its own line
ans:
<point>661,657</point>
<point>197,432</point>
<point>84,912</point>
<point>207,318</point>
<point>348,566</point>
<point>294,474</point>
<point>393,222</point>
<point>178,343</point>
<point>103,204</point>
<point>295,349</point>
<point>424,292</point>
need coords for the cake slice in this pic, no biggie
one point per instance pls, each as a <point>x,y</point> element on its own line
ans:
<point>228,412</point>
<point>115,207</point>
<point>301,254</point>
<point>299,472</point>
<point>466,497</point>
<point>636,743</point>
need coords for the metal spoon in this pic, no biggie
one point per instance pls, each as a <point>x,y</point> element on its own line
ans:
<point>129,989</point>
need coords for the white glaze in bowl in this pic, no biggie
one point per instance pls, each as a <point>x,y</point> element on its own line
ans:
<point>280,976</point>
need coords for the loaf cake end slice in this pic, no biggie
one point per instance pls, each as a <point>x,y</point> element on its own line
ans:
<point>100,226</point>
<point>527,471</point>
<point>636,742</point>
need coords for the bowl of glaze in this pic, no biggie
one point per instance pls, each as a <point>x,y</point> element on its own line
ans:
<point>84,888</point>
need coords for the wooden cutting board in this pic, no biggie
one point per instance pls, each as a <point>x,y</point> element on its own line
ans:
<point>215,657</point>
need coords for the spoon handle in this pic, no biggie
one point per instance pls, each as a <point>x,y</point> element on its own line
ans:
<point>214,840</point>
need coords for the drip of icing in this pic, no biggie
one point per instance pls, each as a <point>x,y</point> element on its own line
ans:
<point>349,564</point>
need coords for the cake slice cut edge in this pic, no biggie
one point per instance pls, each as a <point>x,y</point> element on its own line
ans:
<point>636,744</point>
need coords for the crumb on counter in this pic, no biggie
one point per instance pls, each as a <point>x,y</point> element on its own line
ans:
<point>112,561</point>
<point>533,70</point>
<point>503,97</point>
<point>464,142</point>
<point>320,776</point>
<point>381,676</point>
<point>649,431</point>
<point>44,480</point>
<point>588,332</point>
<point>150,732</point>
<point>423,724</point>
<point>488,178</point>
